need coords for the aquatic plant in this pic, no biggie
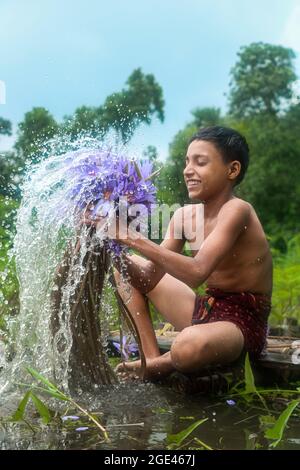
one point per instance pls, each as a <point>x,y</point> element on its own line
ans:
<point>176,440</point>
<point>247,390</point>
<point>48,388</point>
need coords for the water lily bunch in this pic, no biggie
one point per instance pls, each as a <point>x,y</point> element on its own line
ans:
<point>100,179</point>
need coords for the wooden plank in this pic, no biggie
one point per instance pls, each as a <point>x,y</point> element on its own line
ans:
<point>277,355</point>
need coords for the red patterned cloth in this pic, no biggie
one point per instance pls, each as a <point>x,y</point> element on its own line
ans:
<point>249,311</point>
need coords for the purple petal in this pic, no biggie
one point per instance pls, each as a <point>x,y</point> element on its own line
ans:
<point>133,348</point>
<point>230,402</point>
<point>117,346</point>
<point>82,428</point>
<point>65,418</point>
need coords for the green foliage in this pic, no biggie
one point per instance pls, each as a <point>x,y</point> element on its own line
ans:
<point>37,128</point>
<point>172,188</point>
<point>9,299</point>
<point>272,184</point>
<point>261,79</point>
<point>286,293</point>
<point>5,127</point>
<point>151,153</point>
<point>48,388</point>
<point>275,433</point>
<point>123,111</point>
<point>249,377</point>
<point>11,167</point>
<point>175,440</point>
<point>41,408</point>
<point>137,103</point>
<point>209,116</point>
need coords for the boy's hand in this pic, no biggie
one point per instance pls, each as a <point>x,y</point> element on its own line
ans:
<point>115,229</point>
<point>88,218</point>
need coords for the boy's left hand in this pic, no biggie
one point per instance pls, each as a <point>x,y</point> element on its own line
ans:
<point>115,229</point>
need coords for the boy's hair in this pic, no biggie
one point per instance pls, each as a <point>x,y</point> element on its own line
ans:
<point>231,144</point>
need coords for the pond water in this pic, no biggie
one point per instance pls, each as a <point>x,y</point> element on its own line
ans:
<point>143,416</point>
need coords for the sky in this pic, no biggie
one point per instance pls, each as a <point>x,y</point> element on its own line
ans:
<point>62,55</point>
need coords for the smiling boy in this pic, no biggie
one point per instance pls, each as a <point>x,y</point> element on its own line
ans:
<point>233,260</point>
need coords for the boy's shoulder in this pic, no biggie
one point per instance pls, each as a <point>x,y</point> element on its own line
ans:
<point>236,204</point>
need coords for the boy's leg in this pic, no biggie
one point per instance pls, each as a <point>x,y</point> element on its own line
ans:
<point>195,348</point>
<point>200,346</point>
<point>139,309</point>
<point>173,299</point>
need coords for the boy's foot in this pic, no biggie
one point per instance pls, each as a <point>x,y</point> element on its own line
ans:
<point>131,369</point>
<point>156,367</point>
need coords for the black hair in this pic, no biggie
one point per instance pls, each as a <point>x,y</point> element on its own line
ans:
<point>231,144</point>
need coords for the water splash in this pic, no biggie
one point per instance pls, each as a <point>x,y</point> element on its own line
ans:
<point>49,242</point>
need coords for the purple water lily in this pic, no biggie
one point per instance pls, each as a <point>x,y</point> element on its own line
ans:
<point>106,177</point>
<point>126,349</point>
<point>100,179</point>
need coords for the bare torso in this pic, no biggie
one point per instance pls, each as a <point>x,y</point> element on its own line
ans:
<point>248,265</point>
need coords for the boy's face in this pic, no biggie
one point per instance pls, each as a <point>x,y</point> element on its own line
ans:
<point>205,173</point>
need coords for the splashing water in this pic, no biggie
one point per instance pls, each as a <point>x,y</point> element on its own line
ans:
<point>48,226</point>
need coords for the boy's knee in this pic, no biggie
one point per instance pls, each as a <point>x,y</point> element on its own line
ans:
<point>188,352</point>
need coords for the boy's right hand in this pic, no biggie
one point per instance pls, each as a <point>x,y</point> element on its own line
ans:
<point>88,219</point>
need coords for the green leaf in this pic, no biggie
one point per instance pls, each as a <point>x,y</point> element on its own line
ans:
<point>202,444</point>
<point>267,420</point>
<point>19,413</point>
<point>41,408</point>
<point>276,431</point>
<point>39,377</point>
<point>58,395</point>
<point>175,440</point>
<point>249,378</point>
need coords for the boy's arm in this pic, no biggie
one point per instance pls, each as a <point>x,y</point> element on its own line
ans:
<point>145,277</point>
<point>231,222</point>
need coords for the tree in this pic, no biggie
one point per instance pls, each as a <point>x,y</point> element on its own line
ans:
<point>85,120</point>
<point>151,154</point>
<point>10,169</point>
<point>7,163</point>
<point>123,111</point>
<point>5,127</point>
<point>34,131</point>
<point>209,116</point>
<point>272,183</point>
<point>172,188</point>
<point>261,79</point>
<point>137,103</point>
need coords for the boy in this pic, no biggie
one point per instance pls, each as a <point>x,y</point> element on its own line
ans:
<point>233,260</point>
